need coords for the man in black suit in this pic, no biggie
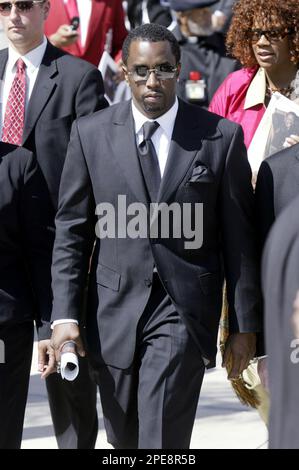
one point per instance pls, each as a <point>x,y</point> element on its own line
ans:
<point>23,252</point>
<point>58,89</point>
<point>203,51</point>
<point>148,11</point>
<point>280,285</point>
<point>277,185</point>
<point>154,300</point>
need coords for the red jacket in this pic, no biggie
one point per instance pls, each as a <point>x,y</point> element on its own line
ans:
<point>229,101</point>
<point>105,15</point>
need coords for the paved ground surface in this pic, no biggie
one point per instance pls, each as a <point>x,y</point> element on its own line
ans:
<point>221,421</point>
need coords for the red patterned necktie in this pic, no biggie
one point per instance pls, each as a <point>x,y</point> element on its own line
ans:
<point>13,125</point>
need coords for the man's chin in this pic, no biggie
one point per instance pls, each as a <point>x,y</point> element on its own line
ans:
<point>153,109</point>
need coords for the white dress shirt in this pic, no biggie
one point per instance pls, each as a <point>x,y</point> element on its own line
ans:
<point>84,9</point>
<point>32,61</point>
<point>162,137</point>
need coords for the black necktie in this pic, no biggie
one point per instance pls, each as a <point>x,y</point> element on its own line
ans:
<point>149,160</point>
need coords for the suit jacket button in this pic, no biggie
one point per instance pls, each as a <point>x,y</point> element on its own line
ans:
<point>148,282</point>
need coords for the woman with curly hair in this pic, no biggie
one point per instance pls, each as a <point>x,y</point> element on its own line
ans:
<point>264,37</point>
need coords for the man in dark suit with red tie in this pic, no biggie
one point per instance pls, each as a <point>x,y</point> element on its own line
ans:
<point>101,28</point>
<point>44,91</point>
<point>155,297</point>
<point>24,216</point>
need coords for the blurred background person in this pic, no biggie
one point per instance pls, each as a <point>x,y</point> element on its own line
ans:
<point>204,60</point>
<point>149,11</point>
<point>280,284</point>
<point>264,37</point>
<point>222,15</point>
<point>101,27</point>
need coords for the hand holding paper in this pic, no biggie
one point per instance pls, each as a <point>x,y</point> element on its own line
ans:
<point>69,364</point>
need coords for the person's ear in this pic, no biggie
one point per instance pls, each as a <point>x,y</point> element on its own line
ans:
<point>179,66</point>
<point>125,73</point>
<point>47,7</point>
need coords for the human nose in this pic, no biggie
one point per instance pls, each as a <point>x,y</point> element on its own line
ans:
<point>14,13</point>
<point>263,39</point>
<point>152,78</point>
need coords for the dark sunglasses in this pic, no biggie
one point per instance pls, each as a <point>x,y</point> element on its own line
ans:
<point>141,73</point>
<point>272,35</point>
<point>21,6</point>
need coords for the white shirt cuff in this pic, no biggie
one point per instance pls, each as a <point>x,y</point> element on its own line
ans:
<point>64,320</point>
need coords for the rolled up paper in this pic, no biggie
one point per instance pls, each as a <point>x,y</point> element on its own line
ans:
<point>69,364</point>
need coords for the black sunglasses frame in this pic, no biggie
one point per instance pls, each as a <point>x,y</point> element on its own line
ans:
<point>271,35</point>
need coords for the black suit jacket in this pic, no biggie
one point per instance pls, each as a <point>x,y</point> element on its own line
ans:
<point>206,164</point>
<point>24,235</point>
<point>280,285</point>
<point>65,89</point>
<point>277,185</point>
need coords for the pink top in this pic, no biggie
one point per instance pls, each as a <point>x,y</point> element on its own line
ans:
<point>229,101</point>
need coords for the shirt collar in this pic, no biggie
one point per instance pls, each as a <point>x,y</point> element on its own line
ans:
<point>257,90</point>
<point>32,59</point>
<point>166,121</point>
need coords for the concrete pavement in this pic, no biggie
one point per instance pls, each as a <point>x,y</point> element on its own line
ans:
<point>222,422</point>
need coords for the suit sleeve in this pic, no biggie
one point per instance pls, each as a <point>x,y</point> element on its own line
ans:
<point>37,227</point>
<point>75,234</point>
<point>90,95</point>
<point>264,202</point>
<point>239,242</point>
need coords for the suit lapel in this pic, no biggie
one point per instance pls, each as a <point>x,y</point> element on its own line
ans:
<point>188,133</point>
<point>42,89</point>
<point>3,61</point>
<point>124,148</point>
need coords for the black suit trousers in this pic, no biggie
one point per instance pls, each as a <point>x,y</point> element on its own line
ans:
<point>152,405</point>
<point>14,381</point>
<point>73,409</point>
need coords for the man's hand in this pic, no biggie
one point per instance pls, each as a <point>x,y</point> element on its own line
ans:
<point>218,20</point>
<point>64,36</point>
<point>63,333</point>
<point>46,358</point>
<point>292,140</point>
<point>239,350</point>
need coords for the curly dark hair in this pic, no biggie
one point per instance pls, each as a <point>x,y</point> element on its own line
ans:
<point>151,32</point>
<point>282,14</point>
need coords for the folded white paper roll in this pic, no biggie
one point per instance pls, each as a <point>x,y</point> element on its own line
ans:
<point>69,364</point>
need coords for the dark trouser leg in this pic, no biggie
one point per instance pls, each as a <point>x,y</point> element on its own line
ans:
<point>170,378</point>
<point>118,390</point>
<point>153,404</point>
<point>73,409</point>
<point>14,382</point>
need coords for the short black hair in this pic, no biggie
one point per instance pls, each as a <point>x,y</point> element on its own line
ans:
<point>151,32</point>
